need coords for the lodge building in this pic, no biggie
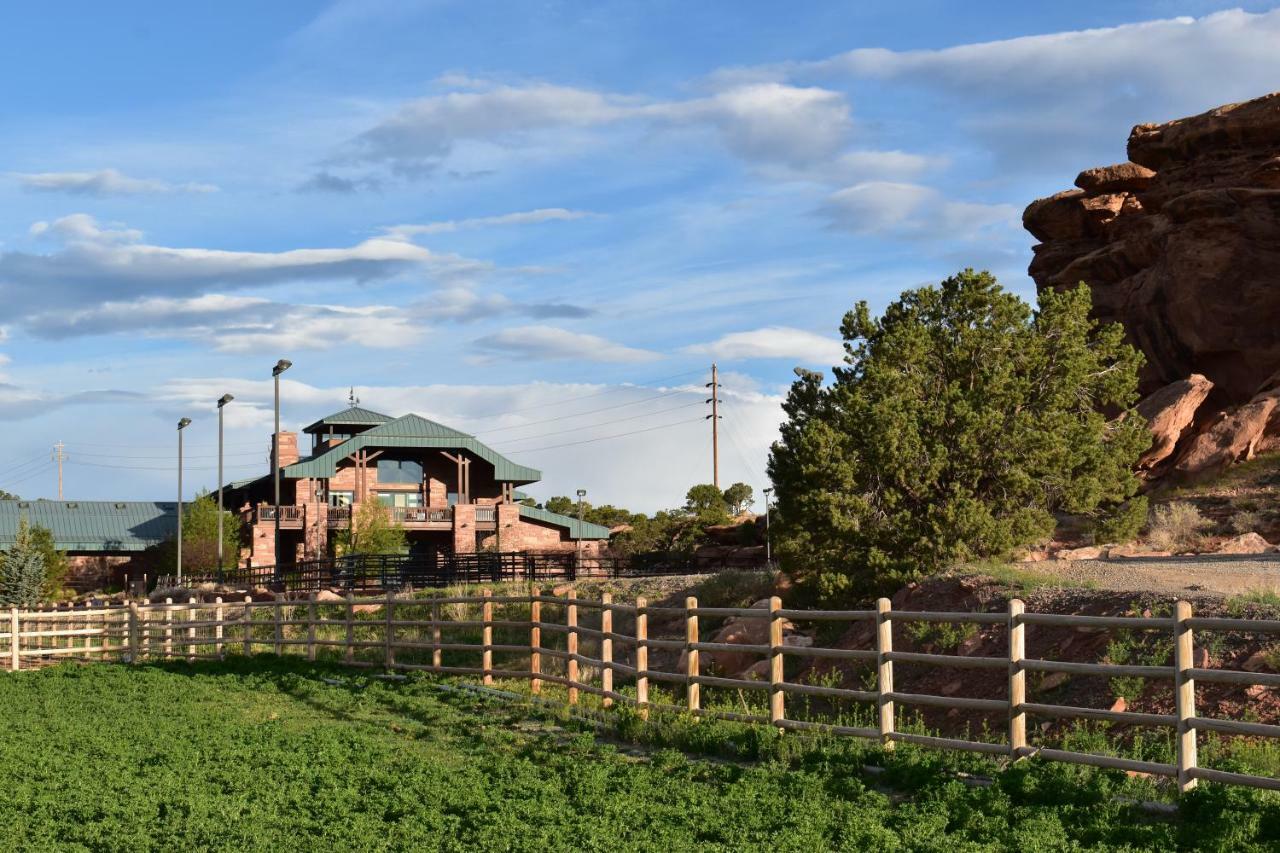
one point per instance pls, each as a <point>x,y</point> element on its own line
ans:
<point>449,491</point>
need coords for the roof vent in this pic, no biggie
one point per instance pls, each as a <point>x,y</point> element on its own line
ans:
<point>119,505</point>
<point>24,504</point>
<point>73,505</point>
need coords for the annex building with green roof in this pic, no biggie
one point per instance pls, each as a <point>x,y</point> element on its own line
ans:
<point>449,491</point>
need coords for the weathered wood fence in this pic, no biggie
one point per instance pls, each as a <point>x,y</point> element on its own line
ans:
<point>408,634</point>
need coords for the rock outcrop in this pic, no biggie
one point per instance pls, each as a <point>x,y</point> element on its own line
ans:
<point>1181,245</point>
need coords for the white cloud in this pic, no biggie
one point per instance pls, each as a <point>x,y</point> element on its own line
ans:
<point>763,121</point>
<point>104,182</point>
<point>113,264</point>
<point>526,217</point>
<point>774,342</point>
<point>551,343</point>
<point>912,211</point>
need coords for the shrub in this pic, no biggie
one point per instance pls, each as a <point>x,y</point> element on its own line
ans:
<point>1177,526</point>
<point>1245,521</point>
<point>1123,524</point>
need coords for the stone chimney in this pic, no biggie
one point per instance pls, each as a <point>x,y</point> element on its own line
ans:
<point>288,448</point>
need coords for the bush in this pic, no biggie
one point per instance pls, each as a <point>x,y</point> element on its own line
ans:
<point>1124,524</point>
<point>1177,526</point>
<point>1245,521</point>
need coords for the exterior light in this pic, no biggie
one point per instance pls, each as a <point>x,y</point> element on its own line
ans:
<point>222,401</point>
<point>182,424</point>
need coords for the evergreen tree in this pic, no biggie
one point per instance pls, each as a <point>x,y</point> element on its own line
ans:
<point>960,423</point>
<point>739,498</point>
<point>21,571</point>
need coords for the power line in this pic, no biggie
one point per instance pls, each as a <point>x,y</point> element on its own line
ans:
<point>603,423</point>
<point>157,468</point>
<point>39,460</point>
<point>609,437</point>
<point>622,387</point>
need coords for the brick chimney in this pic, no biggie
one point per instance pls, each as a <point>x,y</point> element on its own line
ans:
<point>288,448</point>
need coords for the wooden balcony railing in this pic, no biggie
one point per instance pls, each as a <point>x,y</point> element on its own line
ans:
<point>291,517</point>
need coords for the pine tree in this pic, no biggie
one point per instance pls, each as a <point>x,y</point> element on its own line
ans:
<point>22,571</point>
<point>961,422</point>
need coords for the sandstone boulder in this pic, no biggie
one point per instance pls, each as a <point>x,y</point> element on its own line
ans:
<point>1233,436</point>
<point>1169,413</point>
<point>1091,552</point>
<point>1122,177</point>
<point>1246,543</point>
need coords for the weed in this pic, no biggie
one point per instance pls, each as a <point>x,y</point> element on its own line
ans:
<point>1176,526</point>
<point>946,637</point>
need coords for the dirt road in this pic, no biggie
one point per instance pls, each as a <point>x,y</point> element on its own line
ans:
<point>1220,575</point>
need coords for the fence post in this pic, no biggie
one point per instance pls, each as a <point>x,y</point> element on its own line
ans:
<point>437,653</point>
<point>642,658</point>
<point>349,652</point>
<point>884,671</point>
<point>486,636</point>
<point>191,631</point>
<point>248,625</point>
<point>1017,679</point>
<point>606,648</point>
<point>15,641</point>
<point>278,611</point>
<point>312,615</point>
<point>693,692</point>
<point>135,650</point>
<point>390,631</point>
<point>535,643</point>
<point>219,647</point>
<point>168,628</point>
<point>777,698</point>
<point>571,646</point>
<point>1184,694</point>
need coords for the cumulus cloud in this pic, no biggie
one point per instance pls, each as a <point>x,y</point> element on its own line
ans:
<point>114,264</point>
<point>759,121</point>
<point>774,342</point>
<point>525,217</point>
<point>912,211</point>
<point>104,182</point>
<point>552,343</point>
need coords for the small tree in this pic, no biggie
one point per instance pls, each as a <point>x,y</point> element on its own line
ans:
<point>707,503</point>
<point>22,571</point>
<point>55,561</point>
<point>371,532</point>
<point>561,504</point>
<point>739,498</point>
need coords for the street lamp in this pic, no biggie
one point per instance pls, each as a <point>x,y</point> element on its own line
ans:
<point>182,424</point>
<point>582,493</point>
<point>281,366</point>
<point>768,552</point>
<point>222,401</point>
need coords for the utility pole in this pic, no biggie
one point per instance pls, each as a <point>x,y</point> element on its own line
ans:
<point>59,457</point>
<point>714,417</point>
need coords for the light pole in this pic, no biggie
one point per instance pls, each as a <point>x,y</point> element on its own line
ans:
<point>768,551</point>
<point>182,424</point>
<point>222,401</point>
<point>281,366</point>
<point>582,493</point>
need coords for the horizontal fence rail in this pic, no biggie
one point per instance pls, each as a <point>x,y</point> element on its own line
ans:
<point>367,573</point>
<point>541,639</point>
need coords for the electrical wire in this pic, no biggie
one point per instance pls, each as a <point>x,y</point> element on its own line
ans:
<point>583,427</point>
<point>609,437</point>
<point>77,462</point>
<point>13,468</point>
<point>622,387</point>
<point>588,412</point>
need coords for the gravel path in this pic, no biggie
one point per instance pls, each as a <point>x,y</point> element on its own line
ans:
<point>1172,575</point>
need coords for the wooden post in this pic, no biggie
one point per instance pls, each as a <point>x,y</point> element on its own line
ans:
<point>15,641</point>
<point>777,698</point>
<point>1017,679</point>
<point>390,631</point>
<point>642,658</point>
<point>437,653</point>
<point>168,628</point>
<point>191,631</point>
<point>1184,694</point>
<point>219,635</point>
<point>135,647</point>
<point>312,615</point>
<point>278,612</point>
<point>693,692</point>
<point>571,646</point>
<point>606,648</point>
<point>349,652</point>
<point>884,671</point>
<point>248,625</point>
<point>486,636</point>
<point>535,644</point>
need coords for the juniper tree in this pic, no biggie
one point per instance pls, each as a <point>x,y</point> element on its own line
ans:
<point>960,423</point>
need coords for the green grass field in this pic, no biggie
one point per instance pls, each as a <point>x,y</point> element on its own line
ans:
<point>265,754</point>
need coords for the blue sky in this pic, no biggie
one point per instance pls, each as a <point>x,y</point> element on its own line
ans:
<point>536,222</point>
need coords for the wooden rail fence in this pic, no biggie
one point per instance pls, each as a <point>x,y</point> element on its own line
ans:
<point>408,634</point>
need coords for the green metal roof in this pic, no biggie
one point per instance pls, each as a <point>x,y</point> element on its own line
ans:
<point>99,526</point>
<point>416,432</point>
<point>585,530</point>
<point>350,416</point>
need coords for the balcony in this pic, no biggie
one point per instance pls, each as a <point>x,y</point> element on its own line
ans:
<point>291,517</point>
<point>422,518</point>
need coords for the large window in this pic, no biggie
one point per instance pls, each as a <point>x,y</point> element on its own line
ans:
<point>341,498</point>
<point>403,471</point>
<point>402,499</point>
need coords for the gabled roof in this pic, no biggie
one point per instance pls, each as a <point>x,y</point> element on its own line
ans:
<point>585,530</point>
<point>92,525</point>
<point>416,432</point>
<point>350,416</point>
